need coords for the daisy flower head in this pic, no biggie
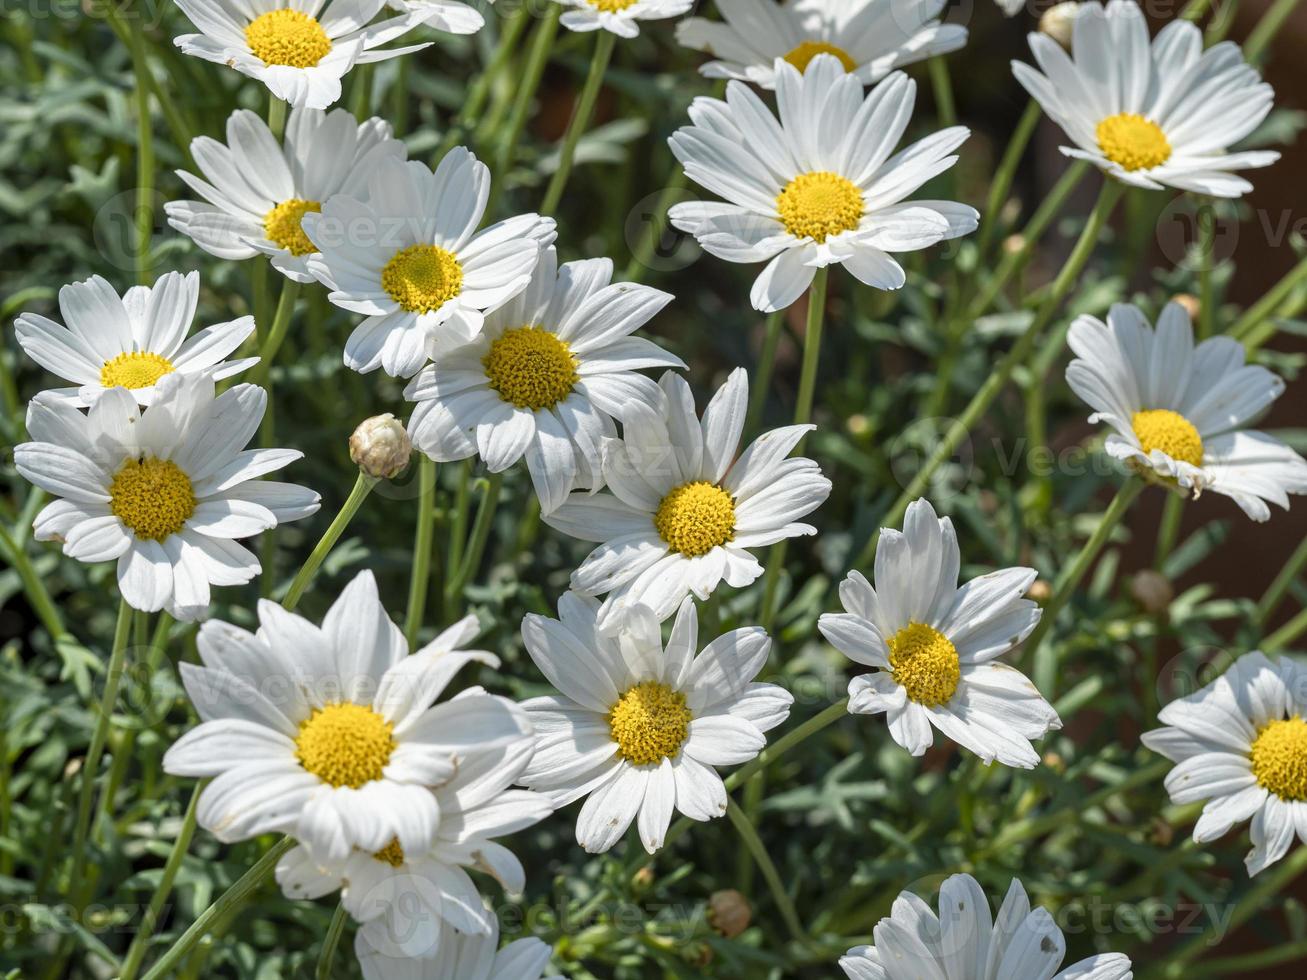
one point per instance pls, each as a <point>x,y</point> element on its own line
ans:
<point>964,942</point>
<point>463,957</point>
<point>1154,115</point>
<point>869,37</point>
<point>409,903</point>
<point>132,341</point>
<point>299,49</point>
<point>256,191</point>
<point>410,260</point>
<point>638,727</point>
<point>1240,744</point>
<point>1180,411</point>
<point>819,186</point>
<point>933,646</point>
<point>450,16</point>
<point>682,513</point>
<point>545,378</point>
<point>621,17</point>
<point>328,733</point>
<point>167,490</point>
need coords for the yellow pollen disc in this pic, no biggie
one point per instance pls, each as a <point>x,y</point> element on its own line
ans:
<point>392,854</point>
<point>819,205</point>
<point>925,664</point>
<point>1133,142</point>
<point>139,369</point>
<point>612,6</point>
<point>345,744</point>
<point>422,278</point>
<point>802,56</point>
<point>531,368</point>
<point>1171,432</point>
<point>696,517</point>
<point>282,226</point>
<point>287,37</point>
<point>649,723</point>
<point>1279,758</point>
<point>153,497</point>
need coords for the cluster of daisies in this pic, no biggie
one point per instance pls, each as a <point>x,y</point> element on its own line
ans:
<point>336,735</point>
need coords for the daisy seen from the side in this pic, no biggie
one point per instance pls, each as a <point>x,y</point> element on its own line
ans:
<point>545,378</point>
<point>130,341</point>
<point>464,957</point>
<point>819,186</point>
<point>1159,114</point>
<point>621,17</point>
<point>933,646</point>
<point>1180,411</point>
<point>410,260</point>
<point>682,513</point>
<point>256,191</point>
<point>331,733</point>
<point>869,37</point>
<point>167,491</point>
<point>638,726</point>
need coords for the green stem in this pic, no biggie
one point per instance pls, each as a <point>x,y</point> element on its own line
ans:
<point>33,585</point>
<point>998,378</point>
<point>477,94</point>
<point>644,252</point>
<point>759,851</point>
<point>1242,965</point>
<point>1169,529</point>
<point>942,85</point>
<point>537,58</point>
<point>1286,634</point>
<point>329,944</point>
<point>1206,255</point>
<point>763,375</point>
<point>1006,173</point>
<point>144,152</point>
<point>1266,307</point>
<point>585,106</point>
<point>277,117</point>
<point>1267,28</point>
<point>280,327</point>
<point>136,952</point>
<point>1270,601</point>
<point>362,487</point>
<point>231,899</point>
<point>420,582</point>
<point>480,534</point>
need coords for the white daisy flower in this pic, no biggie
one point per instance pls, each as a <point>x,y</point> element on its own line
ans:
<point>1179,411</point>
<point>1157,115</point>
<point>963,942</point>
<point>549,372</point>
<point>934,645</point>
<point>1240,744</point>
<point>683,514</point>
<point>819,187</point>
<point>329,733</point>
<point>449,16</point>
<point>129,342</point>
<point>301,49</point>
<point>622,17</point>
<point>638,727</point>
<point>258,191</point>
<point>409,258</point>
<point>408,902</point>
<point>869,37</point>
<point>166,491</point>
<point>464,957</point>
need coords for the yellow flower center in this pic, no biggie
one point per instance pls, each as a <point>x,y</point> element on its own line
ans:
<point>287,37</point>
<point>1171,432</point>
<point>1133,142</point>
<point>153,497</point>
<point>1279,758</point>
<point>531,368</point>
<point>612,6</point>
<point>392,854</point>
<point>925,664</point>
<point>139,369</point>
<point>649,723</point>
<point>696,517</point>
<point>802,56</point>
<point>282,226</point>
<point>819,205</point>
<point>345,744</point>
<point>422,278</point>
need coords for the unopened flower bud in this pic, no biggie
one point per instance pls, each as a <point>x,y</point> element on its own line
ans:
<point>1190,304</point>
<point>380,447</point>
<point>1152,591</point>
<point>642,879</point>
<point>1040,591</point>
<point>1058,22</point>
<point>1013,244</point>
<point>858,425</point>
<point>729,913</point>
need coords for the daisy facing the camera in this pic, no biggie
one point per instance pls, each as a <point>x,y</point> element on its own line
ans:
<point>819,186</point>
<point>1165,114</point>
<point>638,726</point>
<point>620,17</point>
<point>933,645</point>
<point>869,37</point>
<point>1180,410</point>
